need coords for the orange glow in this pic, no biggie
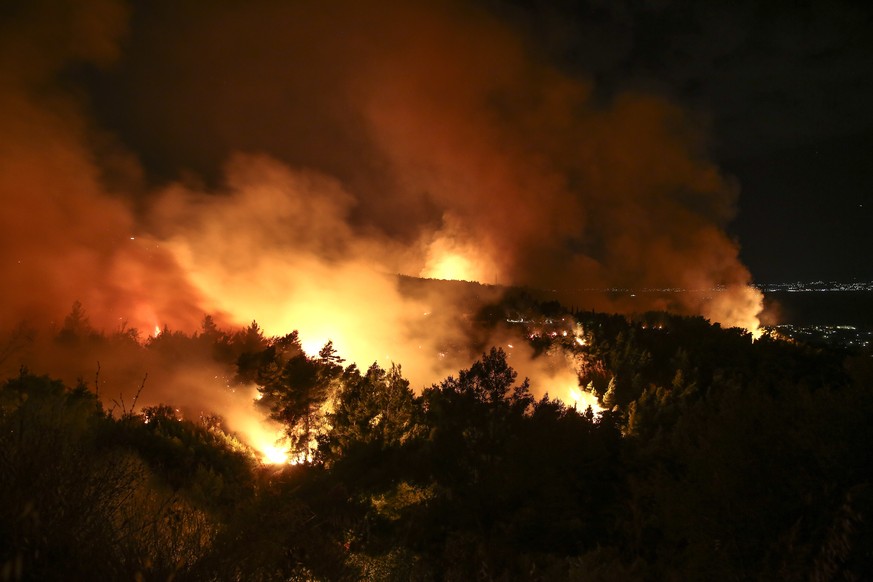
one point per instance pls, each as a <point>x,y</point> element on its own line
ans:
<point>581,400</point>
<point>258,253</point>
<point>274,455</point>
<point>451,266</point>
<point>262,434</point>
<point>579,335</point>
<point>457,166</point>
<point>312,345</point>
<point>736,306</point>
<point>454,254</point>
<point>553,373</point>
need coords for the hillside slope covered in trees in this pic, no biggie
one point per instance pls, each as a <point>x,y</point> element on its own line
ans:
<point>714,457</point>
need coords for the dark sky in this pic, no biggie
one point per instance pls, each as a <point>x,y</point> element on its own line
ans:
<point>787,91</point>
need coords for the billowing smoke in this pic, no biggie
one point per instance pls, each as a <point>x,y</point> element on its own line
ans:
<point>451,140</point>
<point>63,235</point>
<point>275,245</point>
<point>284,161</point>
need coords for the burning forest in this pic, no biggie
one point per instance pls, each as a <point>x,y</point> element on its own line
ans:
<point>364,144</point>
<point>324,264</point>
<point>394,143</point>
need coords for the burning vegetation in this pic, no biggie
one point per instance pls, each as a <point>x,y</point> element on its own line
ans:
<point>318,469</point>
<point>313,161</point>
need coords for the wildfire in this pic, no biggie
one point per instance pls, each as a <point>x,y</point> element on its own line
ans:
<point>264,435</point>
<point>450,266</point>
<point>736,306</point>
<point>274,455</point>
<point>452,255</point>
<point>579,335</point>
<point>311,346</point>
<point>268,441</point>
<point>558,377</point>
<point>582,400</point>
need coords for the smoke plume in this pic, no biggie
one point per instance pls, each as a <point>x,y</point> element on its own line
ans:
<point>284,161</point>
<point>452,140</point>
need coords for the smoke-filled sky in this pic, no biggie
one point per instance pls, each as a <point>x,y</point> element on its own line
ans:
<point>281,161</point>
<point>779,91</point>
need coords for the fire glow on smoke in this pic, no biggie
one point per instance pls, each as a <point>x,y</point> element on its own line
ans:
<point>423,139</point>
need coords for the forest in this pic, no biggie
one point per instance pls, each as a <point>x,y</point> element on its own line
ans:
<point>714,457</point>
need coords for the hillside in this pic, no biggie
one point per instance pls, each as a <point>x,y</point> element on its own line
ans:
<point>705,455</point>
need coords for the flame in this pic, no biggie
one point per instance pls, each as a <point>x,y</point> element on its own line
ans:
<point>736,306</point>
<point>268,440</point>
<point>582,400</point>
<point>157,330</point>
<point>452,255</point>
<point>451,266</point>
<point>262,434</point>
<point>274,455</point>
<point>301,459</point>
<point>579,335</point>
<point>555,375</point>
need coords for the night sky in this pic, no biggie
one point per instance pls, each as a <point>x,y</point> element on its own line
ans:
<point>786,90</point>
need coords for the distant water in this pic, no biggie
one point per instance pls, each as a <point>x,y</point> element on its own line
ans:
<point>821,307</point>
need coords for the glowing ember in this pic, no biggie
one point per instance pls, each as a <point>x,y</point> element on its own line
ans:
<point>579,334</point>
<point>301,459</point>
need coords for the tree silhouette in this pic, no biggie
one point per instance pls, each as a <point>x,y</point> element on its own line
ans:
<point>296,388</point>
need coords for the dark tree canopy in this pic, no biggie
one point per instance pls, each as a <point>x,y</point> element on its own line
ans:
<point>715,458</point>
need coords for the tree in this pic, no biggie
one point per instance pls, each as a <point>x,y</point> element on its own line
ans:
<point>328,355</point>
<point>472,417</point>
<point>74,502</point>
<point>296,388</point>
<point>377,408</point>
<point>248,345</point>
<point>76,325</point>
<point>490,380</point>
<point>609,399</point>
